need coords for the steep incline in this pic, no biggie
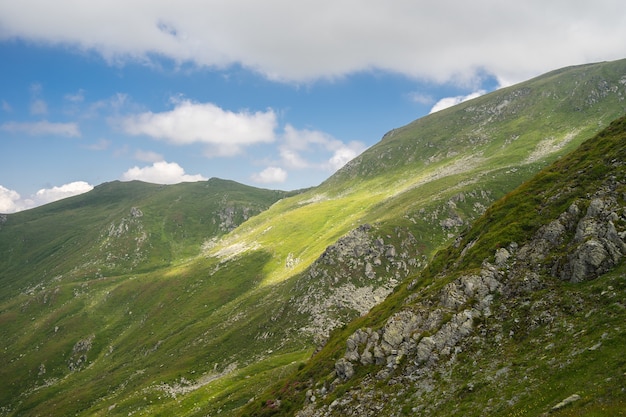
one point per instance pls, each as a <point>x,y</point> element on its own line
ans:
<point>523,315</point>
<point>147,300</point>
<point>439,173</point>
<point>119,228</point>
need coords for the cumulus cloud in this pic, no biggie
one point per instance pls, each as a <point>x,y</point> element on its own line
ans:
<point>327,38</point>
<point>344,154</point>
<point>42,128</point>
<point>307,149</point>
<point>161,172</point>
<point>446,102</point>
<point>48,195</point>
<point>270,175</point>
<point>297,142</point>
<point>11,201</point>
<point>190,122</point>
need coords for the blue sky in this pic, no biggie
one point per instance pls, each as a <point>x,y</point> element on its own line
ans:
<point>276,94</point>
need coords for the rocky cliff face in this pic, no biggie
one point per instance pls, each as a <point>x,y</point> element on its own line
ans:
<point>533,311</point>
<point>419,342</point>
<point>353,275</point>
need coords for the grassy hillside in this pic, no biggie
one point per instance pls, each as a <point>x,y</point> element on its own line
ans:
<point>189,299</point>
<point>523,316</point>
<point>119,228</point>
<point>438,173</point>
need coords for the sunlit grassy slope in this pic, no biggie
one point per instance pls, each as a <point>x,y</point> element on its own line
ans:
<point>542,342</point>
<point>145,300</point>
<point>121,227</point>
<point>486,146</point>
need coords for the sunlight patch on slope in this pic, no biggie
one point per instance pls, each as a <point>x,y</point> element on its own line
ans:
<point>236,249</point>
<point>550,145</point>
<point>455,167</point>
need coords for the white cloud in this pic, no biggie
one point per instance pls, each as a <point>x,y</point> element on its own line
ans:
<point>11,201</point>
<point>161,172</point>
<point>444,103</point>
<point>344,154</point>
<point>306,40</point>
<point>6,107</point>
<point>315,143</point>
<point>298,141</point>
<point>270,175</point>
<point>42,128</point>
<point>292,158</point>
<point>206,123</point>
<point>48,195</point>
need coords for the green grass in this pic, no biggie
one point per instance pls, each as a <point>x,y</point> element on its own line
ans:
<point>160,308</point>
<point>576,350</point>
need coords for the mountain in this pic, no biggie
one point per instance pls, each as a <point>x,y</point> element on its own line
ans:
<point>119,228</point>
<point>191,299</point>
<point>523,315</point>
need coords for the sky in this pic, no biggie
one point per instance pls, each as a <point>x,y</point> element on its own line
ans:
<point>275,94</point>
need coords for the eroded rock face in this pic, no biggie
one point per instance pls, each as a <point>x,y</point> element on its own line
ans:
<point>424,339</point>
<point>78,357</point>
<point>583,245</point>
<point>598,244</point>
<point>136,212</point>
<point>356,273</point>
<point>424,334</point>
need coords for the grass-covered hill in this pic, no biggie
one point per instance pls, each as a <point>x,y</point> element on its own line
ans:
<point>524,315</point>
<point>119,228</point>
<point>137,299</point>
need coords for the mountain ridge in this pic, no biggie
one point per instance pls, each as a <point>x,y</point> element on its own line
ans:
<point>497,297</point>
<point>216,303</point>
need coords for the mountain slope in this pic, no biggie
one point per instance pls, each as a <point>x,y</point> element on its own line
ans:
<point>420,186</point>
<point>121,227</point>
<point>479,150</point>
<point>74,272</point>
<point>523,315</point>
<point>149,305</point>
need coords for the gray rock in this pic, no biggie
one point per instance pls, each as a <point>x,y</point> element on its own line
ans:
<point>502,255</point>
<point>135,212</point>
<point>586,261</point>
<point>367,358</point>
<point>344,369</point>
<point>567,401</point>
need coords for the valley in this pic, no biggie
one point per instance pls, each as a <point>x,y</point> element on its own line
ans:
<point>193,299</point>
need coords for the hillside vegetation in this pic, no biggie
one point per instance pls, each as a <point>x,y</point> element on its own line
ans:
<point>522,316</point>
<point>138,299</point>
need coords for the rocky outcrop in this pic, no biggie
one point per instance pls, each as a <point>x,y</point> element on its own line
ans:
<point>581,244</point>
<point>598,246</point>
<point>423,342</point>
<point>230,216</point>
<point>78,357</point>
<point>422,334</point>
<point>124,242</point>
<point>352,276</point>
